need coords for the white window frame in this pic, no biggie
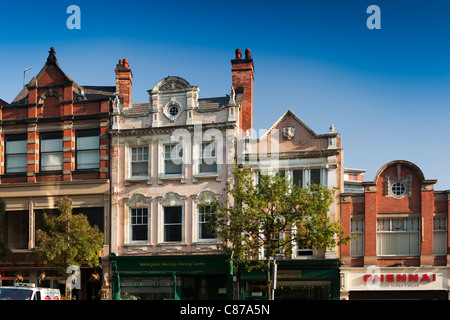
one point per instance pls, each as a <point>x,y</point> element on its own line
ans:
<point>56,153</point>
<point>357,229</point>
<point>208,148</point>
<point>171,199</point>
<point>210,243</point>
<point>137,201</point>
<point>142,217</point>
<point>141,151</point>
<point>289,173</point>
<point>91,133</point>
<point>440,236</point>
<point>162,159</point>
<point>397,226</point>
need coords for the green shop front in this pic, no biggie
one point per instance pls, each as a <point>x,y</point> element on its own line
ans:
<point>202,277</point>
<point>295,280</point>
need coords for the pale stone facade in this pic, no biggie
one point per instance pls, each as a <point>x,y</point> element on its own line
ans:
<point>147,131</point>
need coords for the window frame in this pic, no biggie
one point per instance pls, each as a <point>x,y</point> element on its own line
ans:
<point>137,161</point>
<point>142,217</point>
<point>49,136</point>
<point>443,233</point>
<point>404,231</point>
<point>85,134</point>
<point>201,156</point>
<point>359,241</point>
<point>172,224</point>
<point>202,222</point>
<point>16,137</point>
<point>171,146</point>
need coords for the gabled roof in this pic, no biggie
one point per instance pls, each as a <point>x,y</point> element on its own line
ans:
<point>89,92</point>
<point>290,113</point>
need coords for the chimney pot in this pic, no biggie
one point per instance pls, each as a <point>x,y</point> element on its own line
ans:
<point>248,54</point>
<point>238,53</point>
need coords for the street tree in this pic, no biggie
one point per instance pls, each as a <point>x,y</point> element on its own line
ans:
<point>68,240</point>
<point>271,217</point>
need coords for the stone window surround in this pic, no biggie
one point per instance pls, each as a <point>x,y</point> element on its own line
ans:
<point>207,196</point>
<point>134,202</point>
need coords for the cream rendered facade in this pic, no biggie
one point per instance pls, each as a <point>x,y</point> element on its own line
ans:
<point>148,131</point>
<point>292,148</point>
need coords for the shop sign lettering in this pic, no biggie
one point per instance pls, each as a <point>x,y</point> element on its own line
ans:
<point>415,278</point>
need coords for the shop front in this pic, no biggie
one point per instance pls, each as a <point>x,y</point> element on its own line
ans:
<point>202,277</point>
<point>394,283</point>
<point>295,280</point>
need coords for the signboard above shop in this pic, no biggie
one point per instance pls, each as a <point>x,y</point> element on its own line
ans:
<point>378,279</point>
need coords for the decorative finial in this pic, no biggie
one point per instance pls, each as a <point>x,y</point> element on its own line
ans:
<point>332,129</point>
<point>52,56</point>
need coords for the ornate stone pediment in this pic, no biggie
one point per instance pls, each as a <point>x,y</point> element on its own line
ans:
<point>172,85</point>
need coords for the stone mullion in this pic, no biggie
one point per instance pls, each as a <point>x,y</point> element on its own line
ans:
<point>68,151</point>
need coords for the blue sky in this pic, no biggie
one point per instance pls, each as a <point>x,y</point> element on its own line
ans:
<point>386,91</point>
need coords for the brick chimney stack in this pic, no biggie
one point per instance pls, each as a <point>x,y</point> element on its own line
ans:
<point>242,81</point>
<point>124,78</point>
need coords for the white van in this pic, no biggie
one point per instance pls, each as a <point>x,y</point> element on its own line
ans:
<point>28,291</point>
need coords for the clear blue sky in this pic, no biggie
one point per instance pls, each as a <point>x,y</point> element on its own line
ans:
<point>386,91</point>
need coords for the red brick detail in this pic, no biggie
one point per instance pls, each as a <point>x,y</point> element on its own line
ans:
<point>422,202</point>
<point>242,81</point>
<point>124,83</point>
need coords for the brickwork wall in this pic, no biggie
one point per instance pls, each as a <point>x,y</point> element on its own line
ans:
<point>423,201</point>
<point>242,81</point>
<point>49,105</point>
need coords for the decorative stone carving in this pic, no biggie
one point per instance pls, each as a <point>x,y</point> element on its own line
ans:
<point>172,85</point>
<point>406,181</point>
<point>50,93</point>
<point>288,132</point>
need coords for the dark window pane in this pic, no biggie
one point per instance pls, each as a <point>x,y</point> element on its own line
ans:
<point>297,177</point>
<point>315,176</point>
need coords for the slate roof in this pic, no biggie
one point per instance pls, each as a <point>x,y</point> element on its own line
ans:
<point>90,92</point>
<point>204,105</point>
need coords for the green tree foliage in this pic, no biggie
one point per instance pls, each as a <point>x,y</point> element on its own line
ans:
<point>68,239</point>
<point>272,216</point>
<point>4,250</point>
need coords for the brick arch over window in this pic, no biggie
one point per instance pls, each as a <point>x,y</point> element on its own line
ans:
<point>50,93</point>
<point>411,165</point>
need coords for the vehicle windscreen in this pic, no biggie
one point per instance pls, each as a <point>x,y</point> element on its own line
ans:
<point>15,294</point>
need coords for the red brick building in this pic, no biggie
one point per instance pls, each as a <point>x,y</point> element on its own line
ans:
<point>401,227</point>
<point>242,73</point>
<point>54,141</point>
